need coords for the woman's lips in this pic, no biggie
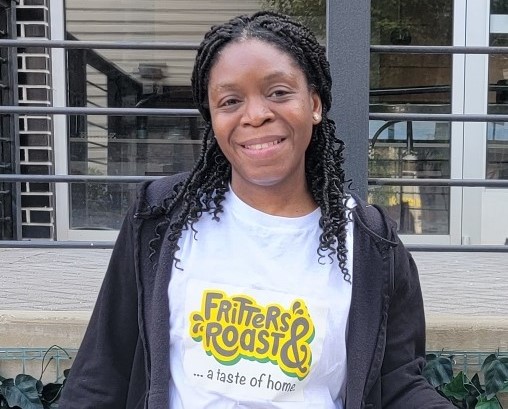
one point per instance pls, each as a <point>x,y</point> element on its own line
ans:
<point>260,146</point>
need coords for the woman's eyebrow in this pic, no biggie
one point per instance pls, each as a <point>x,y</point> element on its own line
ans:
<point>276,75</point>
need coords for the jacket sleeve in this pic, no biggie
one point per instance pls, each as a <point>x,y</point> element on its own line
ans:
<point>403,386</point>
<point>99,377</point>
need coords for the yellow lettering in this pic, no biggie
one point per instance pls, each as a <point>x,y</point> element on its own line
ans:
<point>232,328</point>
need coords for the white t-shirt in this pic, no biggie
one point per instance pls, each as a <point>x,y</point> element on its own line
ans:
<point>257,318</point>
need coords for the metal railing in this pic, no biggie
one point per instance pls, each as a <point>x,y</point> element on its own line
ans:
<point>138,179</point>
<point>466,361</point>
<point>172,46</point>
<point>41,357</point>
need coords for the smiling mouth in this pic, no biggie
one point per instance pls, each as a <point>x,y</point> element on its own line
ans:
<point>259,146</point>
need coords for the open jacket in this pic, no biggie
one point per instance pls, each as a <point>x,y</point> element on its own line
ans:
<point>123,361</point>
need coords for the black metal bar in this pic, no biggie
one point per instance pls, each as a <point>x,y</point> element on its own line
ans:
<point>436,182</point>
<point>43,244</point>
<point>12,74</point>
<point>76,178</point>
<point>437,248</point>
<point>194,112</point>
<point>109,45</point>
<point>182,45</point>
<point>430,89</point>
<point>436,49</point>
<point>97,111</point>
<point>426,89</point>
<point>137,179</point>
<point>438,117</point>
<point>457,248</point>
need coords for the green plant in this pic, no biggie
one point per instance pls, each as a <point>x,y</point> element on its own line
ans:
<point>465,392</point>
<point>26,392</point>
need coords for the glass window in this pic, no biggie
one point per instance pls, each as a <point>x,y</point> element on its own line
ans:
<point>497,132</point>
<point>411,83</point>
<point>140,145</point>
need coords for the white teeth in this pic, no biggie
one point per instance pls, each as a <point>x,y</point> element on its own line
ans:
<point>260,146</point>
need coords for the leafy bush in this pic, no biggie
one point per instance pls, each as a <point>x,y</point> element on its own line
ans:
<point>465,392</point>
<point>26,392</point>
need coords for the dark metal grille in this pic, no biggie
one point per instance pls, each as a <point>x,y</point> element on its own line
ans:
<point>67,44</point>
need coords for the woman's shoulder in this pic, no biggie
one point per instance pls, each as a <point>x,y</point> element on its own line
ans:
<point>374,220</point>
<point>153,194</point>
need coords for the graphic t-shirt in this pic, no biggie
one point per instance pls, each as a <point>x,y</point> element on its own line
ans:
<point>257,318</point>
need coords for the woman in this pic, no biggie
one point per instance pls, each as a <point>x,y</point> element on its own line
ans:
<point>255,281</point>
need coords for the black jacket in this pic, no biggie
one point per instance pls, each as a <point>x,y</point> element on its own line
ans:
<point>123,361</point>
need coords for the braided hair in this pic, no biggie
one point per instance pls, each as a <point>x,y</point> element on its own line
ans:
<point>204,189</point>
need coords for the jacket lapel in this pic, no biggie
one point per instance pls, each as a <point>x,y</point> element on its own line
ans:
<point>365,316</point>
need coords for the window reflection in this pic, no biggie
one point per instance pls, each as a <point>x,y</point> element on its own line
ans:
<point>411,83</point>
<point>412,150</point>
<point>497,132</point>
<point>141,145</point>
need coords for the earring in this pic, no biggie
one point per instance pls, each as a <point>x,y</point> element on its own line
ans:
<point>316,117</point>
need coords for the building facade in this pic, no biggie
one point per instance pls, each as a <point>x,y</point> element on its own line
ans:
<point>38,143</point>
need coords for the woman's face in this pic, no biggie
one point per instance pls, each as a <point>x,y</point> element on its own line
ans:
<point>262,114</point>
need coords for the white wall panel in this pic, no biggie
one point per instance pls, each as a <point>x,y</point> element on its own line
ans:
<point>129,20</point>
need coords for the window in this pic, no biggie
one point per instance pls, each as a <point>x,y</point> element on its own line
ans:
<point>497,132</point>
<point>411,83</point>
<point>140,145</point>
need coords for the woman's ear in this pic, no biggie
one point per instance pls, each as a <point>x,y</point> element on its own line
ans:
<point>317,107</point>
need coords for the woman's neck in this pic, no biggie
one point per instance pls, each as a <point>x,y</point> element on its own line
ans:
<point>277,201</point>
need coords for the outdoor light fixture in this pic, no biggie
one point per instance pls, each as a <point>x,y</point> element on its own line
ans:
<point>152,71</point>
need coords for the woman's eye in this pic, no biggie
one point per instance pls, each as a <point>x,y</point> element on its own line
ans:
<point>279,93</point>
<point>229,102</point>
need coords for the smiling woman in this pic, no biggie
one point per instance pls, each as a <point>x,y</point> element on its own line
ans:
<point>262,116</point>
<point>257,281</point>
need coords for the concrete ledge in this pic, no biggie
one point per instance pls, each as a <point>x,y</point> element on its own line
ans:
<point>66,328</point>
<point>467,333</point>
<point>42,328</point>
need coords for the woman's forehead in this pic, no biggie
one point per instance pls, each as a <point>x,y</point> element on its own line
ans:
<point>251,54</point>
<point>243,48</point>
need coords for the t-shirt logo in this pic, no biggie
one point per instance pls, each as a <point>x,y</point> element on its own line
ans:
<point>236,327</point>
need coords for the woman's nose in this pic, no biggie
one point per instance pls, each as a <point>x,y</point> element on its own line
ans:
<point>257,112</point>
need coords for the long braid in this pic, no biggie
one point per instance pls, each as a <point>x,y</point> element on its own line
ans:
<point>205,188</point>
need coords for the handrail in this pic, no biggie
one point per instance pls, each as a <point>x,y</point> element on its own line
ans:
<point>74,178</point>
<point>182,45</point>
<point>437,182</point>
<point>16,178</point>
<point>425,117</point>
<point>101,245</point>
<point>439,117</point>
<point>108,45</point>
<point>25,110</point>
<point>437,49</point>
